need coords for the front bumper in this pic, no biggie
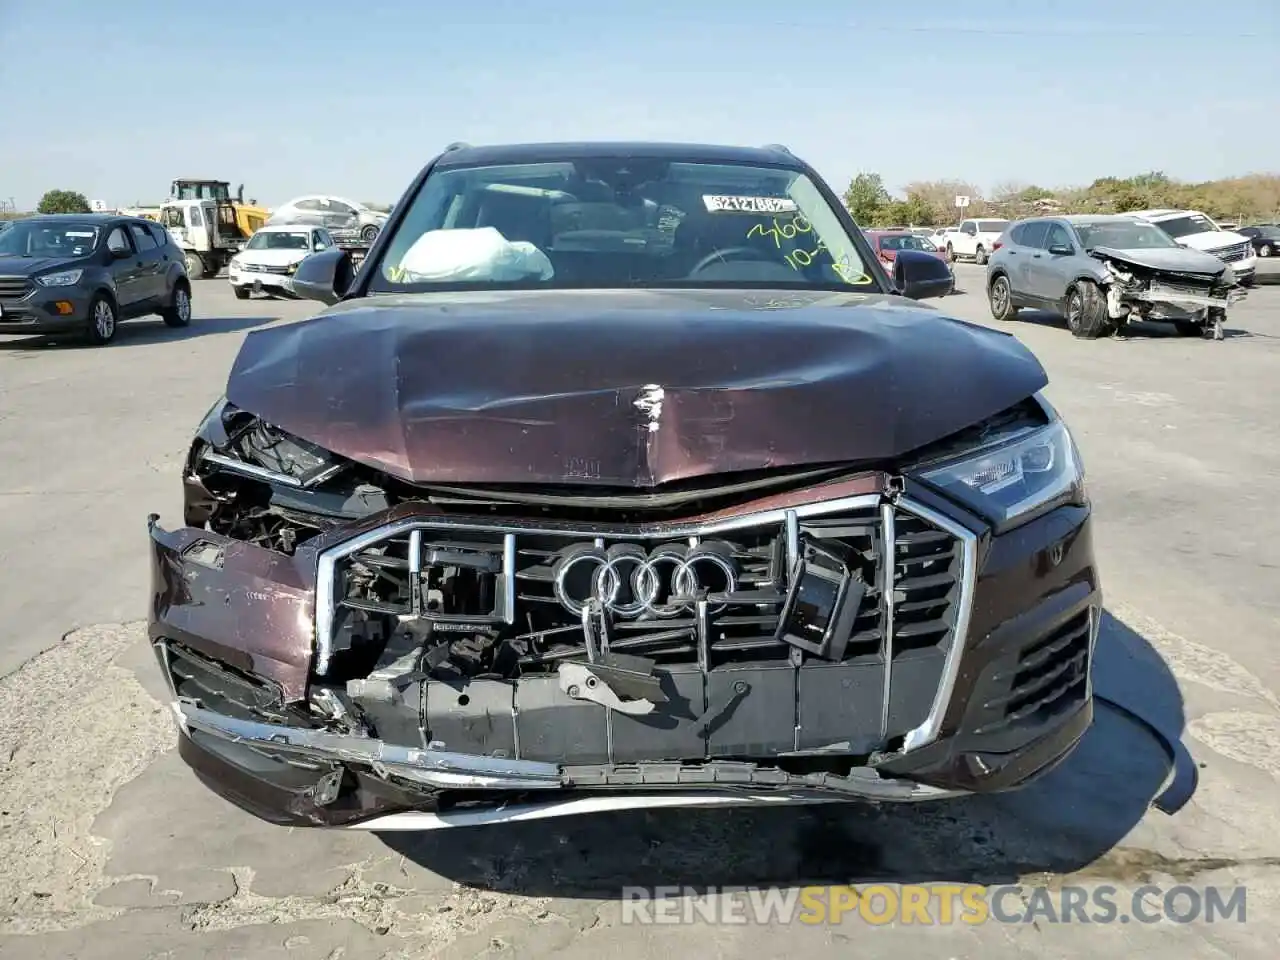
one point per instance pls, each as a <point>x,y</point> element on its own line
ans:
<point>46,310</point>
<point>235,639</point>
<point>257,281</point>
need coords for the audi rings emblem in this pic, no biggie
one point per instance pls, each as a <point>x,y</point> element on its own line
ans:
<point>628,582</point>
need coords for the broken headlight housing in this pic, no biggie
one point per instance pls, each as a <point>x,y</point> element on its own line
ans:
<point>1016,480</point>
<point>241,443</point>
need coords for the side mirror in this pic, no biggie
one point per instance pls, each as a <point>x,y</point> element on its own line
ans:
<point>120,253</point>
<point>325,276</point>
<point>1062,250</point>
<point>921,276</point>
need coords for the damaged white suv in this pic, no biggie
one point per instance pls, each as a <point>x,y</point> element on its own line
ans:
<point>1100,272</point>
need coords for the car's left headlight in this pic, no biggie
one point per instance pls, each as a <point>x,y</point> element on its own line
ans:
<point>63,278</point>
<point>1011,481</point>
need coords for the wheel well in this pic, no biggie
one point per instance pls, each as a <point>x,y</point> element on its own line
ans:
<point>995,273</point>
<point>108,293</point>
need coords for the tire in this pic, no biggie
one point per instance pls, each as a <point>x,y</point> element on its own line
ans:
<point>1266,250</point>
<point>1249,282</point>
<point>104,321</point>
<point>242,293</point>
<point>980,256</point>
<point>1086,311</point>
<point>1000,298</point>
<point>178,313</point>
<point>194,264</point>
<point>369,233</point>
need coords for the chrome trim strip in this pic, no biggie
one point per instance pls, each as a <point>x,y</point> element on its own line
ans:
<point>250,469</point>
<point>927,732</point>
<point>435,768</point>
<point>326,607</point>
<point>889,537</point>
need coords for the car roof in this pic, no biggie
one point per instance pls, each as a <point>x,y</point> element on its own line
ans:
<point>1092,218</point>
<point>80,217</point>
<point>466,155</point>
<point>1163,213</point>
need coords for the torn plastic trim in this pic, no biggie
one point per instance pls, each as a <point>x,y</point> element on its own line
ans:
<point>578,806</point>
<point>434,768</point>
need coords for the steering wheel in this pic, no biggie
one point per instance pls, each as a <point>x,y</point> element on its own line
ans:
<point>725,255</point>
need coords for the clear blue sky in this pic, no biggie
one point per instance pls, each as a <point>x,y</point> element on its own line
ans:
<point>351,98</point>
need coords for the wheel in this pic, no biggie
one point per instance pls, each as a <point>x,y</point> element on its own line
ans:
<point>103,321</point>
<point>178,313</point>
<point>242,293</point>
<point>195,265</point>
<point>1266,250</point>
<point>1248,282</point>
<point>369,233</point>
<point>951,254</point>
<point>980,256</point>
<point>1087,311</point>
<point>211,269</point>
<point>1001,297</point>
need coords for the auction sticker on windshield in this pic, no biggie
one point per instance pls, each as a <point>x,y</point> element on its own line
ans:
<point>720,204</point>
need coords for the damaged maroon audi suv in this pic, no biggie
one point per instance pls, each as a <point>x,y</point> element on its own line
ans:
<point>623,475</point>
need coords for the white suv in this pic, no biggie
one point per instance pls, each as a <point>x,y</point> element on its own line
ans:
<point>974,239</point>
<point>1193,229</point>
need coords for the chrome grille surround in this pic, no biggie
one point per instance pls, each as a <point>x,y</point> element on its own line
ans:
<point>889,515</point>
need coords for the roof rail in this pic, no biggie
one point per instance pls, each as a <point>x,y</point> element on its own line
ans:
<point>781,148</point>
<point>456,145</point>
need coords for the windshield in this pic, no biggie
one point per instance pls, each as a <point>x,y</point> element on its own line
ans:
<point>279,240</point>
<point>34,238</point>
<point>993,226</point>
<point>907,241</point>
<point>1122,235</point>
<point>1185,226</point>
<point>620,222</point>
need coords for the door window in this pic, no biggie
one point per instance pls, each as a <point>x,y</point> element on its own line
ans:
<point>142,238</point>
<point>969,227</point>
<point>1033,234</point>
<point>1057,236</point>
<point>307,205</point>
<point>118,241</point>
<point>337,206</point>
<point>317,240</point>
<point>196,219</point>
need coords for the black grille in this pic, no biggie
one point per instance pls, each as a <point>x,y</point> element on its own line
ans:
<point>502,585</point>
<point>1051,677</point>
<point>14,288</point>
<point>1234,252</point>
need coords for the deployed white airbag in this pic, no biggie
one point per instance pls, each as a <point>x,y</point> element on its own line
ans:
<point>479,254</point>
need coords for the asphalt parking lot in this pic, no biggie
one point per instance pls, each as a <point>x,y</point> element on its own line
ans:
<point>109,848</point>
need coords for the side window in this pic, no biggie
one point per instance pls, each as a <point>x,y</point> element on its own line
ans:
<point>1248,231</point>
<point>196,219</point>
<point>118,240</point>
<point>1016,232</point>
<point>337,206</point>
<point>142,238</point>
<point>307,205</point>
<point>1033,234</point>
<point>317,240</point>
<point>1058,236</point>
<point>969,227</point>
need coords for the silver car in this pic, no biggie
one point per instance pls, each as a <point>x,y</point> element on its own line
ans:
<point>347,220</point>
<point>1100,272</point>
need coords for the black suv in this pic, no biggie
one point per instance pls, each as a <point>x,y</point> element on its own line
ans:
<point>81,274</point>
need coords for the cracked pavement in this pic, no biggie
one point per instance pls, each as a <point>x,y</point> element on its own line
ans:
<point>110,848</point>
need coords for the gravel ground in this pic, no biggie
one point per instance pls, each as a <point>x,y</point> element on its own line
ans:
<point>109,848</point>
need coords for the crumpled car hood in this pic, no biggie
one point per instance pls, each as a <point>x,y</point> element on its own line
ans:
<point>1172,259</point>
<point>625,388</point>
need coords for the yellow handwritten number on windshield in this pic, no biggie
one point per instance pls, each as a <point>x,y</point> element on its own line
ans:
<point>781,231</point>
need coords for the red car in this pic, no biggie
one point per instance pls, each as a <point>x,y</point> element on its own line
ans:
<point>887,243</point>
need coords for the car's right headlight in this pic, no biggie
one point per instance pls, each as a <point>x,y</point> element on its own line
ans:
<point>1017,479</point>
<point>63,278</point>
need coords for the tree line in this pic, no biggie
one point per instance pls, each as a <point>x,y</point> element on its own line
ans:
<point>1251,198</point>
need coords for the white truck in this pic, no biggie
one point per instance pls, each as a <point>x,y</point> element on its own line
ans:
<point>1191,228</point>
<point>973,239</point>
<point>207,236</point>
